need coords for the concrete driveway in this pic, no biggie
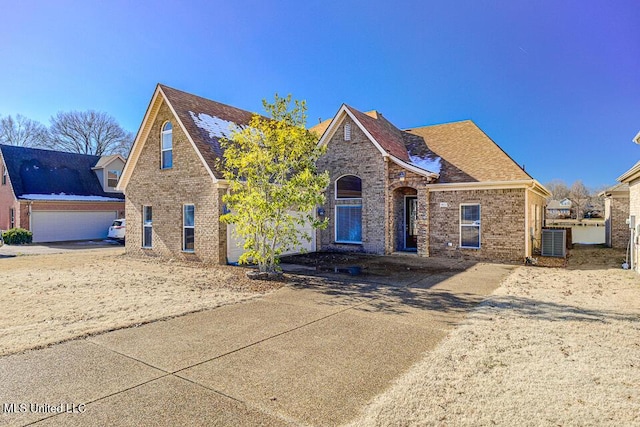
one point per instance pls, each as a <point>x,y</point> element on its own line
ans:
<point>299,356</point>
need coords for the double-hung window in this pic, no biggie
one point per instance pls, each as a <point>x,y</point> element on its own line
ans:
<point>12,218</point>
<point>470,226</point>
<point>188,228</point>
<point>166,161</point>
<point>147,226</point>
<point>112,178</point>
<point>4,175</point>
<point>348,218</point>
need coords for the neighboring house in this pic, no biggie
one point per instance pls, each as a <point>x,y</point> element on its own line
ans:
<point>632,178</point>
<point>559,209</point>
<point>616,214</point>
<point>438,190</point>
<point>173,183</point>
<point>442,190</point>
<point>57,195</point>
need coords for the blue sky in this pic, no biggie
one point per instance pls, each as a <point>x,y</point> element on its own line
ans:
<point>555,83</point>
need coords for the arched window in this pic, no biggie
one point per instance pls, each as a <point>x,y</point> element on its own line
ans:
<point>349,187</point>
<point>166,160</point>
<point>348,217</point>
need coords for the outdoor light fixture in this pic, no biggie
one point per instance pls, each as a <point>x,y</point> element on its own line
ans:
<point>321,212</point>
<point>401,175</point>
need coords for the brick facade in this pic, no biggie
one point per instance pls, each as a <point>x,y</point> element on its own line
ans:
<point>616,208</point>
<point>7,201</point>
<point>502,232</point>
<point>167,190</point>
<point>361,158</point>
<point>384,188</point>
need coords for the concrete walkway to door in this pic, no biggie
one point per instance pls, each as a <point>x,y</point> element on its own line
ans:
<point>301,355</point>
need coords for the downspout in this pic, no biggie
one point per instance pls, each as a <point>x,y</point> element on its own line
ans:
<point>29,215</point>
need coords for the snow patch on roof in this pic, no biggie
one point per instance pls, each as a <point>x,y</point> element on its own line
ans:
<point>70,197</point>
<point>215,126</point>
<point>431,164</point>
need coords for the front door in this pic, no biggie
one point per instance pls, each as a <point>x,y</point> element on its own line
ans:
<point>411,223</point>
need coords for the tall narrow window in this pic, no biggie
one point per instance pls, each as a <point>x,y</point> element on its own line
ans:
<point>188,228</point>
<point>470,226</point>
<point>347,132</point>
<point>4,175</point>
<point>348,217</point>
<point>167,146</point>
<point>12,218</point>
<point>147,226</point>
<point>349,223</point>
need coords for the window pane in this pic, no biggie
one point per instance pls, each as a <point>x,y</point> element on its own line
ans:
<point>188,215</point>
<point>349,223</point>
<point>470,214</point>
<point>189,238</point>
<point>167,159</point>
<point>147,236</point>
<point>349,187</point>
<point>470,237</point>
<point>166,140</point>
<point>147,214</point>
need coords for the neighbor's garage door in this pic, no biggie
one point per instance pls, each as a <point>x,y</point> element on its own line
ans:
<point>234,244</point>
<point>56,226</point>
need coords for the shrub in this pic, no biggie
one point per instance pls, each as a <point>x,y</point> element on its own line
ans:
<point>17,236</point>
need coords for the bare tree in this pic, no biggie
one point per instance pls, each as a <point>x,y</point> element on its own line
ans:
<point>580,197</point>
<point>89,132</point>
<point>558,189</point>
<point>22,131</point>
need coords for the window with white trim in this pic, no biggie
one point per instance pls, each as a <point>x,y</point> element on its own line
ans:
<point>347,132</point>
<point>12,218</point>
<point>348,217</point>
<point>147,226</point>
<point>112,178</point>
<point>4,175</point>
<point>188,228</point>
<point>166,161</point>
<point>470,226</point>
<point>348,223</point>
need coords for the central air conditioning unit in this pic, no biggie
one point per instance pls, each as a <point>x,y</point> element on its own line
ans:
<point>554,242</point>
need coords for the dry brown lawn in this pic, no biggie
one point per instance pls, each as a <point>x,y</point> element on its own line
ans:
<point>549,347</point>
<point>46,299</point>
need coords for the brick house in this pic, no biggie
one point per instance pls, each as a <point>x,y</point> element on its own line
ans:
<point>57,195</point>
<point>173,184</point>
<point>444,190</point>
<point>420,190</point>
<point>616,213</point>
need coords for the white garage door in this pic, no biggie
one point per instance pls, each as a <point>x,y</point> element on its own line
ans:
<point>57,226</point>
<point>234,244</point>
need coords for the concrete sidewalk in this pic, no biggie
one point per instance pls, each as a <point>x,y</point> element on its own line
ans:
<point>302,355</point>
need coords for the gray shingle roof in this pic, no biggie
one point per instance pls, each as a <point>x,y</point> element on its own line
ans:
<point>37,171</point>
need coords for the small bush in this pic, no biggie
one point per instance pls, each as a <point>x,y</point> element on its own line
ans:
<point>17,236</point>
